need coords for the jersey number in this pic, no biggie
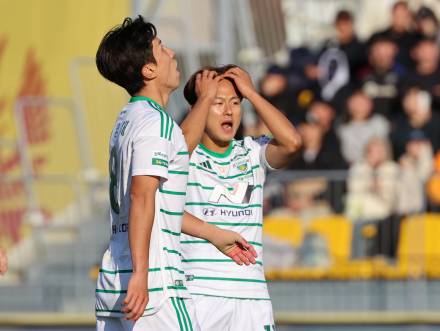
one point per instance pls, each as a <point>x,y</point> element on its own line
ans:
<point>113,169</point>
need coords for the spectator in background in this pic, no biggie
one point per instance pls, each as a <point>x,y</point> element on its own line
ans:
<point>362,125</point>
<point>316,154</point>
<point>433,186</point>
<point>347,41</point>
<point>3,262</point>
<point>417,116</point>
<point>371,197</point>
<point>427,23</point>
<point>292,89</point>
<point>381,82</point>
<point>324,114</point>
<point>427,71</point>
<point>416,166</point>
<point>401,33</point>
<point>303,198</point>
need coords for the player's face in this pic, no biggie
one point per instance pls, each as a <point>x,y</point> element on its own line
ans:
<point>167,73</point>
<point>224,114</point>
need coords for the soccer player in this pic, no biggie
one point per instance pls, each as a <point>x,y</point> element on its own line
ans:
<point>141,283</point>
<point>225,188</point>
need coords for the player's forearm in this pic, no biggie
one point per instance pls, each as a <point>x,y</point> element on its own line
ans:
<point>195,227</point>
<point>139,231</point>
<point>281,128</point>
<point>194,123</point>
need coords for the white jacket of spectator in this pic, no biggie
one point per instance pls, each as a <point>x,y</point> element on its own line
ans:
<point>414,172</point>
<point>372,192</point>
<point>354,136</point>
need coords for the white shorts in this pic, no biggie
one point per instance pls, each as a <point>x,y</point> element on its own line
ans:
<point>224,314</point>
<point>175,314</point>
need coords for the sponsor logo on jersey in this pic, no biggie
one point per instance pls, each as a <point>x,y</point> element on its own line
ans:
<point>160,155</point>
<point>205,164</point>
<point>236,195</point>
<point>209,211</point>
<point>178,282</point>
<point>216,211</point>
<point>159,162</point>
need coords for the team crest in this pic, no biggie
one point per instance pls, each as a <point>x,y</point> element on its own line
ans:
<point>243,167</point>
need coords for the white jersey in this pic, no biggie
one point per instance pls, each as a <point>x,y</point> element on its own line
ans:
<point>226,190</point>
<point>145,141</point>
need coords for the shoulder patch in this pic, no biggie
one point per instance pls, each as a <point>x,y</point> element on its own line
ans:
<point>262,140</point>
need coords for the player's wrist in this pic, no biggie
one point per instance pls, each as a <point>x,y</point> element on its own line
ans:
<point>212,233</point>
<point>206,97</point>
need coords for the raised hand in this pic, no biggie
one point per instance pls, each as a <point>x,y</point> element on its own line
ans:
<point>137,296</point>
<point>235,246</point>
<point>242,80</point>
<point>207,84</point>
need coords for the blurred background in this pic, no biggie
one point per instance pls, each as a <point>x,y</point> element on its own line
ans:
<point>352,227</point>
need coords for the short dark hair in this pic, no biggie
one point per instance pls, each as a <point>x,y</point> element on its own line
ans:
<point>189,91</point>
<point>343,15</point>
<point>123,52</point>
<point>398,4</point>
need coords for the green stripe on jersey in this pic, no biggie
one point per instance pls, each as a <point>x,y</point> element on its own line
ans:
<point>185,322</point>
<point>173,213</point>
<point>171,251</point>
<point>221,296</point>
<point>224,177</point>
<point>154,289</point>
<point>255,205</point>
<point>98,310</point>
<point>236,224</point>
<point>171,192</point>
<point>231,279</point>
<point>195,242</point>
<point>127,271</point>
<point>100,290</point>
<point>210,158</point>
<point>171,130</point>
<point>176,172</point>
<point>186,314</point>
<point>214,261</point>
<point>179,318</point>
<point>210,188</point>
<point>167,126</point>
<point>177,234</point>
<point>207,242</point>
<point>161,124</point>
<point>183,153</point>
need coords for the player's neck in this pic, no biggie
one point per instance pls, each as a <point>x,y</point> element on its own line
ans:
<point>215,146</point>
<point>154,93</point>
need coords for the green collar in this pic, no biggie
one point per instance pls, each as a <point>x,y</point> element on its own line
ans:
<point>219,155</point>
<point>153,103</point>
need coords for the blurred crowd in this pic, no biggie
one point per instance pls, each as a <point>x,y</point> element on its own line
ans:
<point>370,108</point>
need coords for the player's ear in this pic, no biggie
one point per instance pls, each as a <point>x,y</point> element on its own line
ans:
<point>149,71</point>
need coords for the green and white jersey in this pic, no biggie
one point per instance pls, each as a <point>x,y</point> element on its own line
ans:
<point>145,141</point>
<point>226,190</point>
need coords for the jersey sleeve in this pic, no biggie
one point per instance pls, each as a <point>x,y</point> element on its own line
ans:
<point>261,144</point>
<point>151,156</point>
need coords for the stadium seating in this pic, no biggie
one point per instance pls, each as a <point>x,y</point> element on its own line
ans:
<point>287,229</point>
<point>418,252</point>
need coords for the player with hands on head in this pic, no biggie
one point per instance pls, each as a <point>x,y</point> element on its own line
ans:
<point>225,188</point>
